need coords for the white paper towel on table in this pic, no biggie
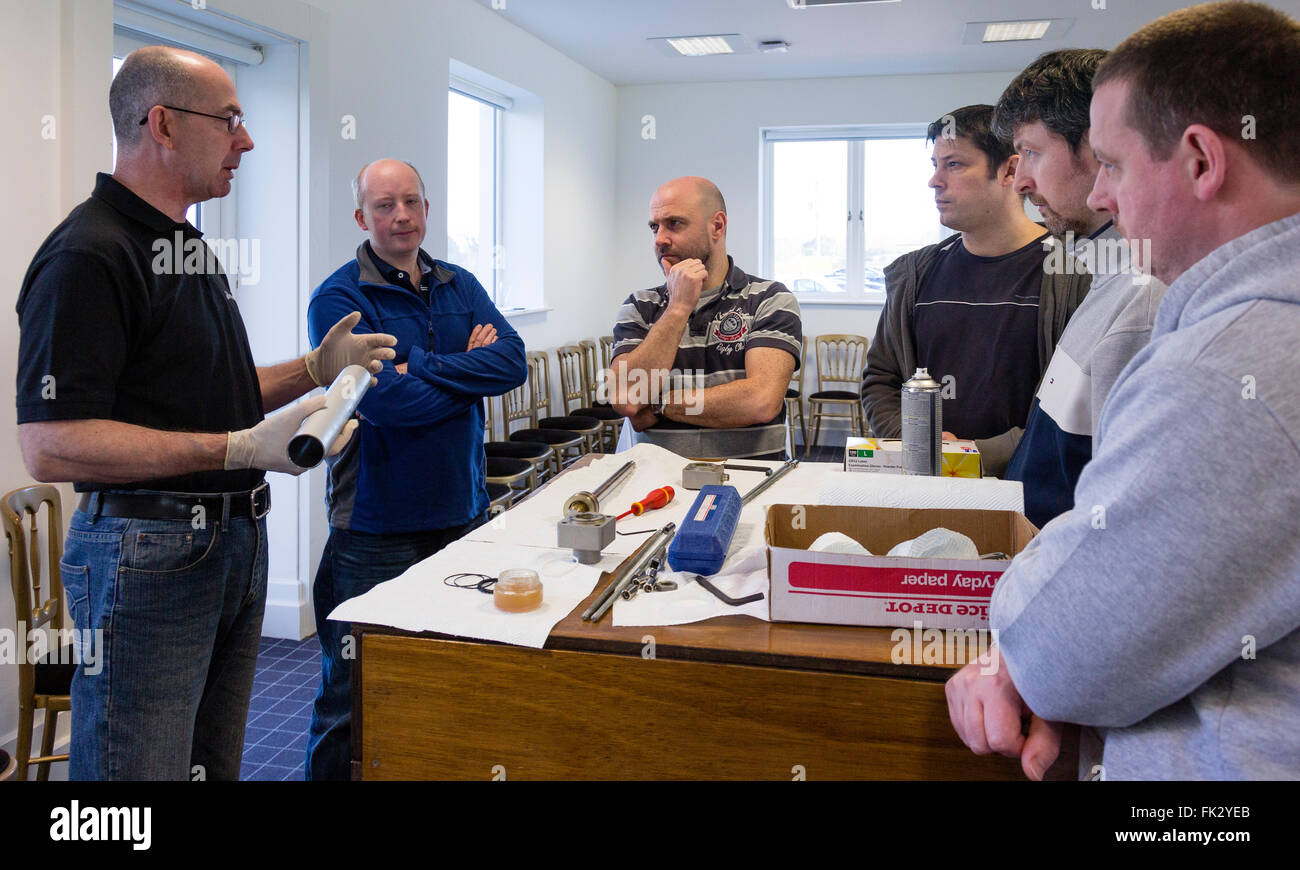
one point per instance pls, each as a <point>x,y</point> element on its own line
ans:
<point>691,602</point>
<point>524,537</point>
<point>745,570</point>
<point>533,521</point>
<point>413,603</point>
<point>418,600</point>
<point>865,489</point>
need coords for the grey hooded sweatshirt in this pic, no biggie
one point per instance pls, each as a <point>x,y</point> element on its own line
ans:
<point>1164,609</point>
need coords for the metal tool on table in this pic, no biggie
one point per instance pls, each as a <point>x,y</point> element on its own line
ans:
<point>648,581</point>
<point>705,537</point>
<point>584,529</point>
<point>700,474</point>
<point>585,533</point>
<point>589,502</point>
<point>656,499</point>
<point>724,597</point>
<point>630,570</point>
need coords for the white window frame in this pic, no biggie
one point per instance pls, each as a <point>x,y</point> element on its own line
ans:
<point>853,255</point>
<point>502,105</point>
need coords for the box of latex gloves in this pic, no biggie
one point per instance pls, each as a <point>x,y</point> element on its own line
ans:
<point>885,456</point>
<point>889,566</point>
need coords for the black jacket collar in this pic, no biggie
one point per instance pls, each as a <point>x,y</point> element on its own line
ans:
<point>375,270</point>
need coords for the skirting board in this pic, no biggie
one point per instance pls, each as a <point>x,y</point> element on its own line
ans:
<point>288,610</point>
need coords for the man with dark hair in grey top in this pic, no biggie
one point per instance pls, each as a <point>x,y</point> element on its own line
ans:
<point>1163,611</point>
<point>977,309</point>
<point>702,363</point>
<point>1044,114</point>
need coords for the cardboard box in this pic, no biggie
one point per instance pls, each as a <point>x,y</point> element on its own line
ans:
<point>873,454</point>
<point>961,459</point>
<point>841,589</point>
<point>885,456</point>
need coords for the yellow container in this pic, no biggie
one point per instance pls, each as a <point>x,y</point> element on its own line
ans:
<point>961,459</point>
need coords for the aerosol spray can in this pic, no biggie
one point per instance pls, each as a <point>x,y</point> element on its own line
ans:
<point>922,425</point>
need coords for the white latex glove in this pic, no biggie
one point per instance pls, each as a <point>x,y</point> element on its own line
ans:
<point>266,445</point>
<point>340,349</point>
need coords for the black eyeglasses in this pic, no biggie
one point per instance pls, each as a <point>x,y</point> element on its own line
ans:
<point>233,121</point>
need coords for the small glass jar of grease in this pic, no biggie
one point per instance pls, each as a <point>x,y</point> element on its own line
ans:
<point>517,590</point>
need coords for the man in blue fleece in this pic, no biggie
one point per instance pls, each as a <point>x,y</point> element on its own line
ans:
<point>1044,114</point>
<point>1164,609</point>
<point>412,481</point>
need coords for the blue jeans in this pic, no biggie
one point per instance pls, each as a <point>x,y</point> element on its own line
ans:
<point>353,563</point>
<point>180,611</point>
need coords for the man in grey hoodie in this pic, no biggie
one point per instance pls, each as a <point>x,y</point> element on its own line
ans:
<point>1164,609</point>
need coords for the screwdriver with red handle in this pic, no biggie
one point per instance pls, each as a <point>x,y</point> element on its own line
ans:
<point>656,499</point>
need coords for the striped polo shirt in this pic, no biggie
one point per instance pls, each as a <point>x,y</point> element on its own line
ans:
<point>745,312</point>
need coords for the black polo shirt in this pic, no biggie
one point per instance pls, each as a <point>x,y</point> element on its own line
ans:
<point>399,278</point>
<point>123,316</point>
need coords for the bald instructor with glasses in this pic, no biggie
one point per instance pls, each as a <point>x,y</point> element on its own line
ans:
<point>137,383</point>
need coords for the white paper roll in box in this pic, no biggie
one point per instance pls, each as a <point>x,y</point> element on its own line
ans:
<point>908,491</point>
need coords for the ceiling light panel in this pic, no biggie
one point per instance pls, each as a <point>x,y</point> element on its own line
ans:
<point>703,45</point>
<point>1013,31</point>
<point>698,46</point>
<point>809,4</point>
<point>1045,29</point>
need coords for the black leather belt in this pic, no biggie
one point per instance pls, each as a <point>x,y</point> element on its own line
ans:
<point>254,503</point>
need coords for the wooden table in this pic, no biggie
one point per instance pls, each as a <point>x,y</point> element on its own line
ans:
<point>728,698</point>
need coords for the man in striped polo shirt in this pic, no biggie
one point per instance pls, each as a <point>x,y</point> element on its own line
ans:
<point>702,362</point>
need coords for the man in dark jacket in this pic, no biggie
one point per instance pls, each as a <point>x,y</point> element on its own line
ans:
<point>977,309</point>
<point>412,481</point>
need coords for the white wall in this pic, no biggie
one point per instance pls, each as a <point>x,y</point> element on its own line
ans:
<point>49,56</point>
<point>396,88</point>
<point>712,130</point>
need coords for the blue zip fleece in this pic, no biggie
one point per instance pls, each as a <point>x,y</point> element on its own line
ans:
<point>416,461</point>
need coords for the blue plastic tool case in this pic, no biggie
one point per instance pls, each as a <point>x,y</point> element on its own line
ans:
<point>704,536</point>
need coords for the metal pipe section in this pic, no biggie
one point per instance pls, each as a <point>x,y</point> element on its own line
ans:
<point>317,432</point>
<point>589,502</point>
<point>630,567</point>
<point>615,478</point>
<point>768,481</point>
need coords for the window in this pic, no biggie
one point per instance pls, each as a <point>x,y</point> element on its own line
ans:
<point>841,204</point>
<point>474,195</point>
